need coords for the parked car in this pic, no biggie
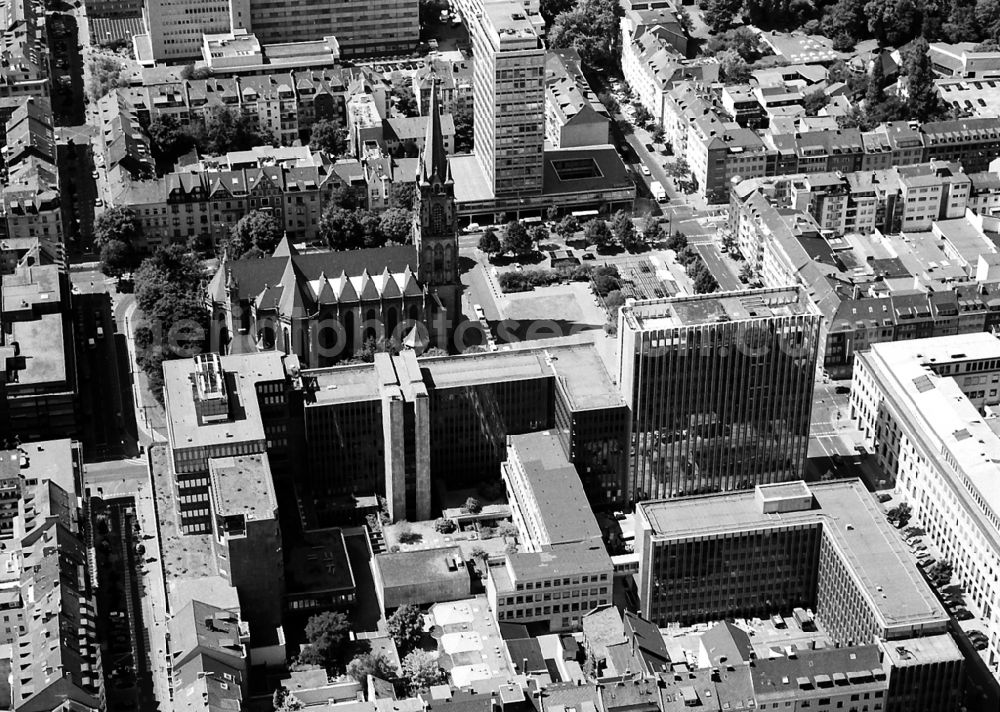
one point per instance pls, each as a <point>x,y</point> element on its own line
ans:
<point>963,614</point>
<point>883,497</point>
<point>645,170</point>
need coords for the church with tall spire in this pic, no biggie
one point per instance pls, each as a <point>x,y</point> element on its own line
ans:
<point>327,306</point>
<point>435,227</point>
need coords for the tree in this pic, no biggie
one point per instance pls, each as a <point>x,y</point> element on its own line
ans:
<point>422,671</point>
<point>597,233</point>
<point>651,230</point>
<point>167,273</point>
<point>351,197</point>
<point>406,627</point>
<point>283,701</point>
<point>622,227</point>
<point>813,102</point>
<point>406,103</point>
<point>489,243</point>
<point>106,73</point>
<point>677,242</point>
<point>922,100</point>
<point>230,130</point>
<point>326,634</point>
<point>117,224</point>
<point>472,506</point>
<point>343,229</point>
<point>396,224</point>
<point>257,229</point>
<point>168,139</point>
<point>402,194</point>
<point>375,664</point>
<point>704,282</point>
<point>328,136</point>
<point>658,135</point>
<point>845,17</point>
<point>516,239</point>
<point>507,529</point>
<point>444,526</point>
<point>591,28</point>
<point>464,129</point>
<point>733,68</point>
<point>875,93</point>
<point>538,234</point>
<point>747,273</point>
<point>117,258</point>
<point>679,169</point>
<point>567,227</point>
<point>900,514</point>
<point>745,41</point>
<point>551,8</point>
<point>604,280</point>
<point>192,72</point>
<point>642,115</point>
<point>722,15</point>
<point>892,22</point>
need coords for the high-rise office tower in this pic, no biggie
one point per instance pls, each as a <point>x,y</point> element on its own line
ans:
<point>361,27</point>
<point>176,27</point>
<point>509,99</point>
<point>720,387</point>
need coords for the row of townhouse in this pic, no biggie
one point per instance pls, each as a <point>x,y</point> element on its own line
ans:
<point>284,103</point>
<point>939,279</point>
<point>903,199</point>
<point>24,45</point>
<point>719,150</point>
<point>32,207</point>
<point>653,61</point>
<point>208,200</point>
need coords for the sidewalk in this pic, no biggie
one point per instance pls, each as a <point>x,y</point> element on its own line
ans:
<point>145,429</point>
<point>152,592</point>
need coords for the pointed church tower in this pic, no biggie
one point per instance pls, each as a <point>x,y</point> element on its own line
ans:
<point>435,229</point>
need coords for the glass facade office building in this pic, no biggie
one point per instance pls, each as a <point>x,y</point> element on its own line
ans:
<point>720,388</point>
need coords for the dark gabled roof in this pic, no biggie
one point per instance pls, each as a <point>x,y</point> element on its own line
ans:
<point>251,275</point>
<point>648,641</point>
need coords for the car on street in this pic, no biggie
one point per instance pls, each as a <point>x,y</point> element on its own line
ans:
<point>94,174</point>
<point>645,170</point>
<point>98,202</point>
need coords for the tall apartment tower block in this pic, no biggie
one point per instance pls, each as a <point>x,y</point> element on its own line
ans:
<point>508,99</point>
<point>720,388</point>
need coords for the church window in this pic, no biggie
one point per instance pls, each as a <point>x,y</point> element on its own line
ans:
<point>437,219</point>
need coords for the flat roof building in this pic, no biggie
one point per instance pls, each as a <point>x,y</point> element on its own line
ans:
<point>826,547</point>
<point>545,494</point>
<point>509,93</point>
<point>927,409</point>
<point>720,389</point>
<point>421,577</point>
<point>561,543</point>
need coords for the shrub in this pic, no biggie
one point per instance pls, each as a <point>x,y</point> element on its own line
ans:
<point>444,526</point>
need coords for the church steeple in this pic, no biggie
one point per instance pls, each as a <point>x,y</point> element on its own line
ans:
<point>435,158</point>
